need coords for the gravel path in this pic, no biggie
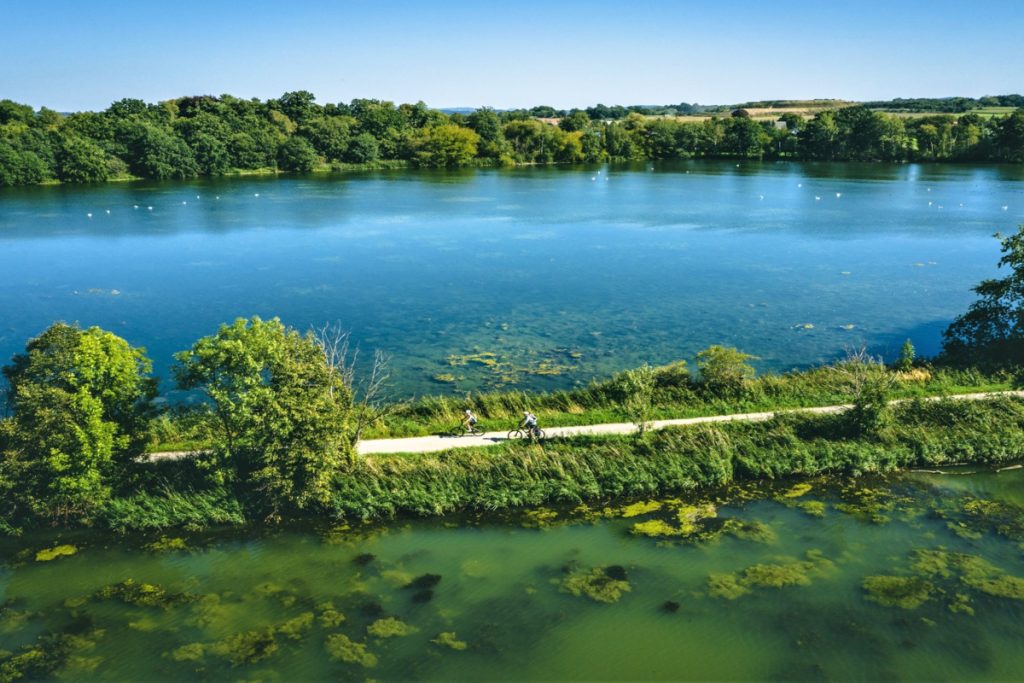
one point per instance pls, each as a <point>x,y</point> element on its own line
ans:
<point>433,444</point>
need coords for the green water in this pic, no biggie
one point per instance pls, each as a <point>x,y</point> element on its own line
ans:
<point>503,588</point>
<point>563,273</point>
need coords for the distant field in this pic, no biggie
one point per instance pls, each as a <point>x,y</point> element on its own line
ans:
<point>984,112</point>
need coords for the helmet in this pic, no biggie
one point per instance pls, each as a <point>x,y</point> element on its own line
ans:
<point>468,411</point>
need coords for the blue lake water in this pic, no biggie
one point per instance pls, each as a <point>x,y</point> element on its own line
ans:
<point>564,274</point>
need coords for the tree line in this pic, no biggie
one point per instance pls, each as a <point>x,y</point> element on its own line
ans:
<point>209,136</point>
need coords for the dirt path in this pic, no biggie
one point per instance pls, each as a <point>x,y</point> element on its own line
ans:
<point>431,444</point>
<point>434,444</point>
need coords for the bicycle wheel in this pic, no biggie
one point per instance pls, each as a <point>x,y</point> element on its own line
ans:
<point>540,435</point>
<point>515,434</point>
<point>475,431</point>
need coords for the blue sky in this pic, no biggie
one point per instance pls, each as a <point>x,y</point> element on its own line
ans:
<point>86,54</point>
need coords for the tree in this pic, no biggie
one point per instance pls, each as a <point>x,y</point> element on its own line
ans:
<point>637,386</point>
<point>906,359</point>
<point>362,149</point>
<point>724,371</point>
<point>282,412</point>
<point>991,332</point>
<point>870,384</point>
<point>445,146</point>
<point>297,154</point>
<point>81,161</point>
<point>82,400</point>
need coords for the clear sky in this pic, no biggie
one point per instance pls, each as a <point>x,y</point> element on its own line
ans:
<point>84,54</point>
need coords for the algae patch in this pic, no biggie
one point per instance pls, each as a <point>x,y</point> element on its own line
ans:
<point>448,639</point>
<point>55,552</point>
<point>343,649</point>
<point>600,584</point>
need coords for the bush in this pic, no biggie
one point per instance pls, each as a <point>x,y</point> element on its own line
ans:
<point>724,371</point>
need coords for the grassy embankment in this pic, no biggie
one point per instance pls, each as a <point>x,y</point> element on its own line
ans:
<point>595,470</point>
<point>675,396</point>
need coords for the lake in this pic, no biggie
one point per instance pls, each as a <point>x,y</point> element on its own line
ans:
<point>563,274</point>
<point>911,577</point>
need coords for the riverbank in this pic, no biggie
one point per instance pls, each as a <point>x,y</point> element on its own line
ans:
<point>589,469</point>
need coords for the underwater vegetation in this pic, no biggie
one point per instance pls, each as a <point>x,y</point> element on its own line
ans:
<point>600,584</point>
<point>954,579</point>
<point>343,649</point>
<point>55,552</point>
<point>390,627</point>
<point>450,640</point>
<point>784,572</point>
<point>143,595</point>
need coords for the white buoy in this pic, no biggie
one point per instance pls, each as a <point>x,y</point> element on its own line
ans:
<point>760,196</point>
<point>1005,207</point>
<point>838,195</point>
<point>817,198</point>
<point>197,196</point>
<point>150,208</point>
<point>217,197</point>
<point>108,212</point>
<point>257,194</point>
<point>929,203</point>
<point>799,184</point>
<point>88,215</point>
<point>135,206</point>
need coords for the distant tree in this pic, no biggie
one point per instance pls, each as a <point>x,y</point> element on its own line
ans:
<point>577,120</point>
<point>297,154</point>
<point>211,155</point>
<point>81,161</point>
<point>362,149</point>
<point>19,167</point>
<point>13,112</point>
<point>299,105</point>
<point>991,332</point>
<point>906,360</point>
<point>156,153</point>
<point>329,136</point>
<point>1010,137</point>
<point>282,412</point>
<point>445,146</point>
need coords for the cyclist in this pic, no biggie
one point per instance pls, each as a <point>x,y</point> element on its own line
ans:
<point>469,420</point>
<point>530,423</point>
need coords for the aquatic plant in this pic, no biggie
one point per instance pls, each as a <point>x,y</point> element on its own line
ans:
<point>597,584</point>
<point>449,640</point>
<point>640,508</point>
<point>294,628</point>
<point>55,552</point>
<point>143,594</point>
<point>340,647</point>
<point>246,647</point>
<point>329,616</point>
<point>192,652</point>
<point>797,490</point>
<point>390,627</point>
<point>670,606</point>
<point>539,518</point>
<point>786,572</point>
<point>905,592</point>
<point>728,586</point>
<point>759,532</point>
<point>364,559</point>
<point>50,654</point>
<point>167,544</point>
<point>814,508</point>
<point>655,528</point>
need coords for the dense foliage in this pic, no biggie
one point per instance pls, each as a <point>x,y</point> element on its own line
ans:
<point>991,332</point>
<point>82,400</point>
<point>209,136</point>
<point>280,412</point>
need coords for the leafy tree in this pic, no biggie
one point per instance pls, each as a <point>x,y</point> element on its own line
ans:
<point>297,154</point>
<point>81,161</point>
<point>362,149</point>
<point>329,136</point>
<point>19,167</point>
<point>577,120</point>
<point>82,400</point>
<point>1010,137</point>
<point>991,332</point>
<point>906,360</point>
<point>157,153</point>
<point>445,146</point>
<point>299,105</point>
<point>281,408</point>
<point>211,155</point>
<point>637,386</point>
<point>724,370</point>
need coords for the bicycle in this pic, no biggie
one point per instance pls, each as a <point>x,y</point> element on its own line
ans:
<point>462,430</point>
<point>535,434</point>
